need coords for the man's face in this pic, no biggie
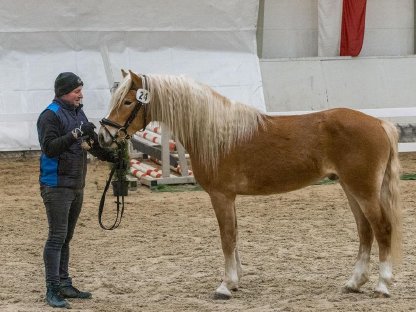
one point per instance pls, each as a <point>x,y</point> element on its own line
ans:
<point>74,97</point>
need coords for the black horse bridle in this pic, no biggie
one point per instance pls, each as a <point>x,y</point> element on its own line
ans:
<point>142,99</point>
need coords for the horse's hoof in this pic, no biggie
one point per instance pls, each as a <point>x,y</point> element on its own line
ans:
<point>222,293</point>
<point>349,290</point>
<point>377,294</point>
<point>220,296</point>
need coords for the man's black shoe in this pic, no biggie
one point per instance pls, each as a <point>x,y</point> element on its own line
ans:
<point>54,298</point>
<point>71,292</point>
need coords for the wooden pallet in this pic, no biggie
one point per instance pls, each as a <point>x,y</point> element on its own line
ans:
<point>168,159</point>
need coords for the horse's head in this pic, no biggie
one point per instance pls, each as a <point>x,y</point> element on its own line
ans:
<point>128,112</point>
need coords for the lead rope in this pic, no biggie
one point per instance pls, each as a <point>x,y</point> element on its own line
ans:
<point>119,167</point>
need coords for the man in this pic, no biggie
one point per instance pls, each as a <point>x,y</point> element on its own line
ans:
<point>63,131</point>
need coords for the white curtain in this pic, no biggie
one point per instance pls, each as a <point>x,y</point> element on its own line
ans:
<point>329,27</point>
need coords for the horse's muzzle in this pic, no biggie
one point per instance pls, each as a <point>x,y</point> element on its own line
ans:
<point>104,139</point>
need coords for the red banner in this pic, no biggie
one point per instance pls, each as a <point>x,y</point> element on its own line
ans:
<point>353,25</point>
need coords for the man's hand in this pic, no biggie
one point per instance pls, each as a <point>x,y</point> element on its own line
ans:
<point>86,129</point>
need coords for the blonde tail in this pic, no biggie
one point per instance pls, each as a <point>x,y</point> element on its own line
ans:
<point>390,193</point>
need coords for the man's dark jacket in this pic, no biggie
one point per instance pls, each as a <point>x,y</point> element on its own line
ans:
<point>63,163</point>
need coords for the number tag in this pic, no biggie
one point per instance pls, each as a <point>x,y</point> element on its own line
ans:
<point>143,96</point>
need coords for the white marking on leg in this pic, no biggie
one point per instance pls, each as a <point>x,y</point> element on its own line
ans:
<point>360,274</point>
<point>223,291</point>
<point>230,281</point>
<point>231,272</point>
<point>385,278</point>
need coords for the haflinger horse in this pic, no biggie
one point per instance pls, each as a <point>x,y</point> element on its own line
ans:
<point>225,139</point>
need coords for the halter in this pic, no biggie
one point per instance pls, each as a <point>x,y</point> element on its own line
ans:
<point>142,99</point>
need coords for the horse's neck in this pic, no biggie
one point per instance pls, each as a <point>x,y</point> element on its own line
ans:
<point>205,122</point>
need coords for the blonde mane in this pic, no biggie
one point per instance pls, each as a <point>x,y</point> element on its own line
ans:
<point>120,93</point>
<point>205,122</point>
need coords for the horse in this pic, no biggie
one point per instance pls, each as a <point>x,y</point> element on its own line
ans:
<point>225,138</point>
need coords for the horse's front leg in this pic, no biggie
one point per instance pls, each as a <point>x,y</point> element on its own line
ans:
<point>227,220</point>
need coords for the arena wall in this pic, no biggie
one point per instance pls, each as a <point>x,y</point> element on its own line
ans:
<point>311,84</point>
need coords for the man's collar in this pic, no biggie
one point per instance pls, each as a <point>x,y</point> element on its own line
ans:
<point>66,105</point>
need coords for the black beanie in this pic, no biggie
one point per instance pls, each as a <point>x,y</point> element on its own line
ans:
<point>66,82</point>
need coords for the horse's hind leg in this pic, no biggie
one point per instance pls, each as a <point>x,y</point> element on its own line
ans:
<point>381,227</point>
<point>227,220</point>
<point>382,230</point>
<point>360,274</point>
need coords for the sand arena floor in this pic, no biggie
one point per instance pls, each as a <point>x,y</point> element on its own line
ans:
<point>297,250</point>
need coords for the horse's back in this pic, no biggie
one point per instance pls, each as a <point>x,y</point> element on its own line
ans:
<point>333,132</point>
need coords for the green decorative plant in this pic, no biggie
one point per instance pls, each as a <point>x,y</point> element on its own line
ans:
<point>121,167</point>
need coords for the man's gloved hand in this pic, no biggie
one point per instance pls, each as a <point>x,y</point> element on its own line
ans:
<point>88,129</point>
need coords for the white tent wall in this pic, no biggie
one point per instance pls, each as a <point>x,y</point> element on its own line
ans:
<point>211,41</point>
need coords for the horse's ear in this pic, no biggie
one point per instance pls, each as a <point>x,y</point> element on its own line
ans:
<point>136,80</point>
<point>123,73</point>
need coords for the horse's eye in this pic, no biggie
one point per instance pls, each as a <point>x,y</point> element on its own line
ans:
<point>127,102</point>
